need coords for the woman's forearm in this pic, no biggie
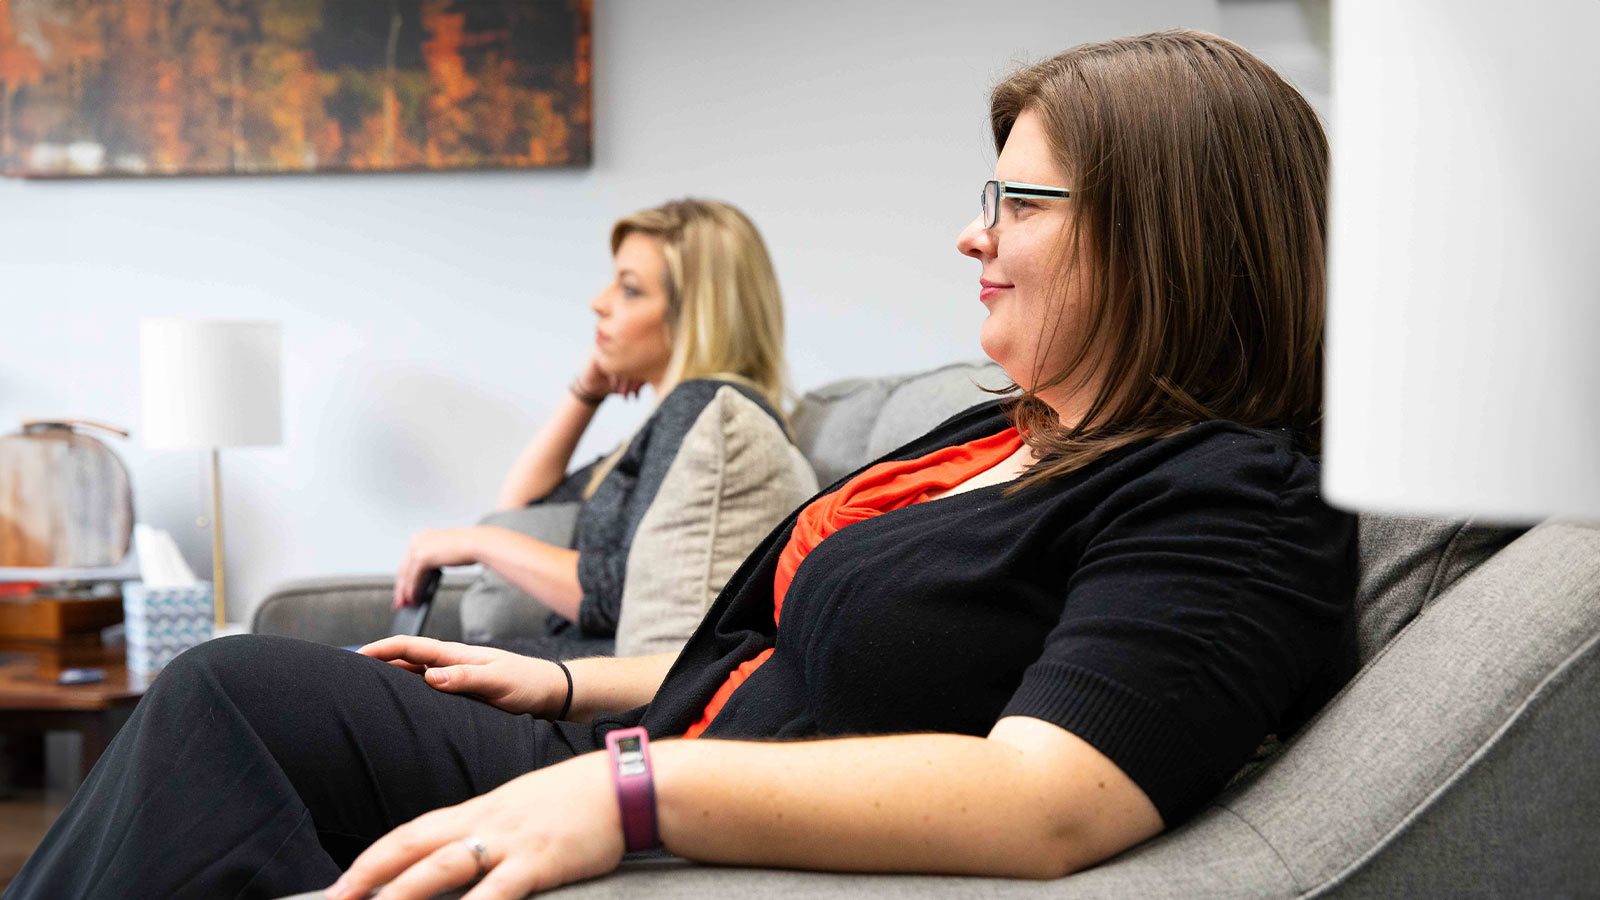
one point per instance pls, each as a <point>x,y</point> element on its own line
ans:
<point>543,462</point>
<point>615,683</point>
<point>545,571</point>
<point>935,803</point>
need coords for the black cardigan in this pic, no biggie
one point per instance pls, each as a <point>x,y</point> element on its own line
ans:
<point>1172,604</point>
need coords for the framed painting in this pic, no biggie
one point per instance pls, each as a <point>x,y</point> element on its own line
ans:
<point>222,87</point>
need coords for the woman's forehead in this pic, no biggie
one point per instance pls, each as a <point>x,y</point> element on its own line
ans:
<point>1027,156</point>
<point>640,252</point>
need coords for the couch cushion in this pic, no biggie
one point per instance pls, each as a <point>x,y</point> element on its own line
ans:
<point>919,402</point>
<point>736,476</point>
<point>843,425</point>
<point>494,609</point>
<point>831,424</point>
<point>1407,562</point>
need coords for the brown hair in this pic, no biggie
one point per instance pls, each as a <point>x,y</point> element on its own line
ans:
<point>1199,182</point>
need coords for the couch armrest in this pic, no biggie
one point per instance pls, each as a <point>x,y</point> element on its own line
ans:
<point>351,609</point>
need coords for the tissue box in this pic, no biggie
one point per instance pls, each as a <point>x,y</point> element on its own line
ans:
<point>163,622</point>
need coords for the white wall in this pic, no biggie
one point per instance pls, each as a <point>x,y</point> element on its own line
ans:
<point>430,320</point>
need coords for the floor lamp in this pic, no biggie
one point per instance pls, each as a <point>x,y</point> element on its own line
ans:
<point>208,385</point>
<point>1464,273</point>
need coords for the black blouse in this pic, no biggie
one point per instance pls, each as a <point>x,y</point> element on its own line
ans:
<point>1173,604</point>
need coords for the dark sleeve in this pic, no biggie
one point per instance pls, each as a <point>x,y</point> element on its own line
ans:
<point>625,497</point>
<point>1211,598</point>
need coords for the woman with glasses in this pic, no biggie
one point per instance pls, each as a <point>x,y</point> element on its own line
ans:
<point>1052,627</point>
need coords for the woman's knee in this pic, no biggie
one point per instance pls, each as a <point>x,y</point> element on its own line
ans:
<point>252,660</point>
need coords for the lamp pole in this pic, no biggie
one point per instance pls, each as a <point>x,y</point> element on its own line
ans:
<point>217,563</point>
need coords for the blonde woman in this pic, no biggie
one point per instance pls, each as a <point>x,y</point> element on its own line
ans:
<point>692,311</point>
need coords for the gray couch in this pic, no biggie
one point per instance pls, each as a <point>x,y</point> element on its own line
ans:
<point>1460,761</point>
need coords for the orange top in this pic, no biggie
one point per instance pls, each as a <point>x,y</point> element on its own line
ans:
<point>877,490</point>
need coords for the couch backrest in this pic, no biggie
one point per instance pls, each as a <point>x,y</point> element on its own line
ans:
<point>843,425</point>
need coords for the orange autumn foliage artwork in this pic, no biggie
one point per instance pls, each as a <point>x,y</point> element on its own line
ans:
<point>215,87</point>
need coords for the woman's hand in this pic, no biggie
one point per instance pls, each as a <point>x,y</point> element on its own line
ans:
<point>515,683</point>
<point>550,827</point>
<point>595,381</point>
<point>433,549</point>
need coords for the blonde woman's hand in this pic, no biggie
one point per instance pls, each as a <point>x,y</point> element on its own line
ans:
<point>434,548</point>
<point>594,381</point>
<point>515,683</point>
<point>550,827</point>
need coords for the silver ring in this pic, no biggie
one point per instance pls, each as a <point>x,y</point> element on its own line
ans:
<point>480,850</point>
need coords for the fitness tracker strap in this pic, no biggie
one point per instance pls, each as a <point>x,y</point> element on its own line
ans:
<point>636,788</point>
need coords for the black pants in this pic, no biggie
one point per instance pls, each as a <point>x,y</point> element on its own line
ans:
<point>260,766</point>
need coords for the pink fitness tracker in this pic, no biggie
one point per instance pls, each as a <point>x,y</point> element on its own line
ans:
<point>636,788</point>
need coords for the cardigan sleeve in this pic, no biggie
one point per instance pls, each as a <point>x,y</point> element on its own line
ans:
<point>1197,614</point>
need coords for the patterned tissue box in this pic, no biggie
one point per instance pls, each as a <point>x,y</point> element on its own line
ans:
<point>163,622</point>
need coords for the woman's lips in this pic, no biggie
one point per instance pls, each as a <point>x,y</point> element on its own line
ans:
<point>987,289</point>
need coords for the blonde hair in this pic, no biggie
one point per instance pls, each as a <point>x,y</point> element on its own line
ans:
<point>724,312</point>
<point>723,306</point>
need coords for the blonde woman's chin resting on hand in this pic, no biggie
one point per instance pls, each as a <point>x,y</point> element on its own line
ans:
<point>1050,628</point>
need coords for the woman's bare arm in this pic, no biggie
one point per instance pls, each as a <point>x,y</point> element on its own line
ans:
<point>1031,800</point>
<point>543,462</point>
<point>605,684</point>
<point>544,571</point>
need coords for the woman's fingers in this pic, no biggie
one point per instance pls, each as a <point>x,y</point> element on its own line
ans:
<point>451,865</point>
<point>454,679</point>
<point>414,649</point>
<point>513,879</point>
<point>393,854</point>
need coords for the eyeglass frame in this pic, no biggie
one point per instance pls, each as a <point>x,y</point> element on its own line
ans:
<point>1004,189</point>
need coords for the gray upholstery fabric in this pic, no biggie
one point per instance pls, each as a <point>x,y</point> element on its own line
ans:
<point>493,608</point>
<point>917,403</point>
<point>831,425</point>
<point>351,609</point>
<point>1407,562</point>
<point>1417,722</point>
<point>843,425</point>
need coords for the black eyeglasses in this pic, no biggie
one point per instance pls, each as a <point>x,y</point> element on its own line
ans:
<point>995,191</point>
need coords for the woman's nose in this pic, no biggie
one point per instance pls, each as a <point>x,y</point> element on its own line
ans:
<point>600,304</point>
<point>975,240</point>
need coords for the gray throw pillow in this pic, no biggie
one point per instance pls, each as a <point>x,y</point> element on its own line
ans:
<point>493,608</point>
<point>1407,562</point>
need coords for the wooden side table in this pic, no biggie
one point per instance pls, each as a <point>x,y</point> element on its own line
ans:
<point>32,701</point>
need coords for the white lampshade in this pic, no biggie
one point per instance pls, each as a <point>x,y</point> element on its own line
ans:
<point>1464,307</point>
<point>209,383</point>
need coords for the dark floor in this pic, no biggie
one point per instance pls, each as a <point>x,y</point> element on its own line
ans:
<point>24,818</point>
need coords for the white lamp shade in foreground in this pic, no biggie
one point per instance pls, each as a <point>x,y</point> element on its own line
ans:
<point>1464,308</point>
<point>209,383</point>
